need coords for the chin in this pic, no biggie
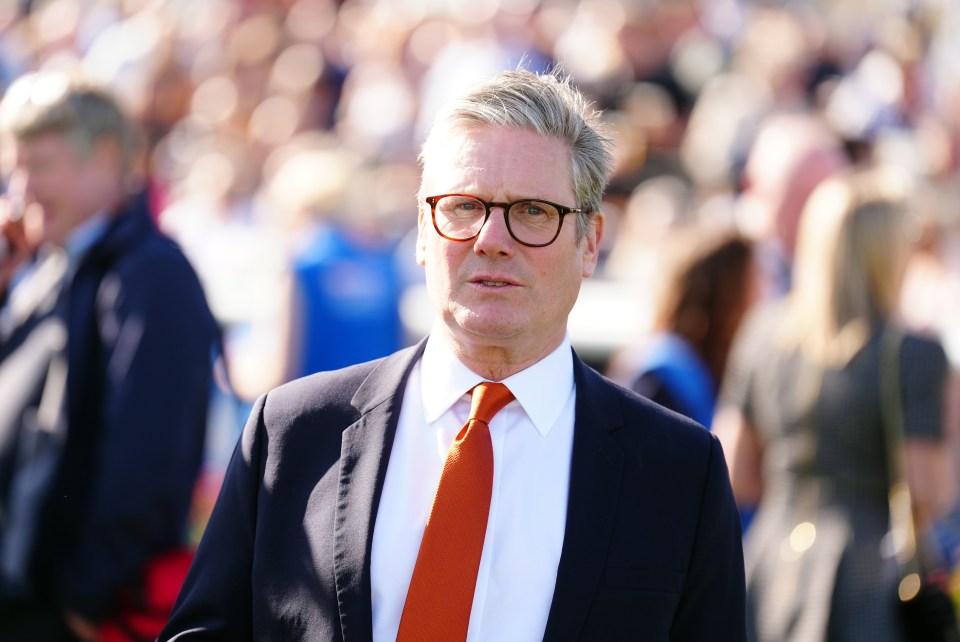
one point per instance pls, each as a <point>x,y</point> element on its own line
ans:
<point>470,326</point>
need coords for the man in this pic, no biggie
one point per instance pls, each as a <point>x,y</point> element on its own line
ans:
<point>606,517</point>
<point>790,155</point>
<point>101,454</point>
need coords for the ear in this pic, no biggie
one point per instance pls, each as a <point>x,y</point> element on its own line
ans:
<point>590,245</point>
<point>423,228</point>
<point>107,152</point>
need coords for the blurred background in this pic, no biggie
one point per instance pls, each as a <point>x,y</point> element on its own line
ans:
<point>283,135</point>
<point>282,140</point>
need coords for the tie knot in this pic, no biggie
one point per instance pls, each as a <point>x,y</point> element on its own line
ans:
<point>488,399</point>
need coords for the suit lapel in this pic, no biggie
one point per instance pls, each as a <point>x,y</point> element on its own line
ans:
<point>34,299</point>
<point>595,471</point>
<point>364,455</point>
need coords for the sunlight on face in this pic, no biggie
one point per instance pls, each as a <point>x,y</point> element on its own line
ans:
<point>492,291</point>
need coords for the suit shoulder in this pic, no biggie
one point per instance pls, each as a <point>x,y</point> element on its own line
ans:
<point>639,410</point>
<point>154,256</point>
<point>321,391</point>
<point>341,395</point>
<point>646,426</point>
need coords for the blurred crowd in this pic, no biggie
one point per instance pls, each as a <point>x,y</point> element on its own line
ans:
<point>269,119</point>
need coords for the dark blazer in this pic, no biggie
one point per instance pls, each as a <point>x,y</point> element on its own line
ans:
<point>138,350</point>
<point>651,549</point>
<point>30,336</point>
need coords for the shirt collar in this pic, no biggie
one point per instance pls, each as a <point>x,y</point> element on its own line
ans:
<point>85,236</point>
<point>541,390</point>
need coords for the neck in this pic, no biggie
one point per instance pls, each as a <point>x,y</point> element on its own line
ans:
<point>109,200</point>
<point>497,362</point>
<point>113,200</point>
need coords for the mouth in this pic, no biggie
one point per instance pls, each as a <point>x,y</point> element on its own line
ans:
<point>493,282</point>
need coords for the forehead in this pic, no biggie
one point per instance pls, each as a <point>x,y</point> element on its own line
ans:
<point>43,145</point>
<point>28,151</point>
<point>499,162</point>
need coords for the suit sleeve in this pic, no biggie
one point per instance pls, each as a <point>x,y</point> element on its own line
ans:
<point>713,603</point>
<point>155,355</point>
<point>215,600</point>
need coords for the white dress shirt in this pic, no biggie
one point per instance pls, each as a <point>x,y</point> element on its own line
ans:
<point>532,444</point>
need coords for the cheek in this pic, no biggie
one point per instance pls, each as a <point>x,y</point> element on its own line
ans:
<point>557,277</point>
<point>57,186</point>
<point>39,183</point>
<point>438,261</point>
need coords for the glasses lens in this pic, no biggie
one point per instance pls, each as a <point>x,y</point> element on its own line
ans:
<point>459,217</point>
<point>534,222</point>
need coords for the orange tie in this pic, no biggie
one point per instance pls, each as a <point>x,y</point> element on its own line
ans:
<point>441,590</point>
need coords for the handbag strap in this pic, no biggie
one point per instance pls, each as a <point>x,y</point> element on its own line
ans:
<point>902,526</point>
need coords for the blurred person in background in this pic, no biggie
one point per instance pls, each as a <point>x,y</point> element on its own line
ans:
<point>344,303</point>
<point>108,448</point>
<point>707,284</point>
<point>930,303</point>
<point>331,521</point>
<point>21,234</point>
<point>790,155</point>
<point>342,285</point>
<point>802,421</point>
<point>29,284</point>
<point>653,208</point>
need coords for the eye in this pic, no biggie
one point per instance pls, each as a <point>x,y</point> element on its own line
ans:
<point>469,206</point>
<point>462,207</point>
<point>532,210</point>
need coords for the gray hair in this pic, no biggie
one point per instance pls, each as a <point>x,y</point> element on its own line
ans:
<point>43,102</point>
<point>547,104</point>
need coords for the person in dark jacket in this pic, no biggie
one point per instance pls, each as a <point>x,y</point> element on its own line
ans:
<point>359,505</point>
<point>101,454</point>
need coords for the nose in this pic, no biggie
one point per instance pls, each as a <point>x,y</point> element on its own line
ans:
<point>494,238</point>
<point>21,186</point>
<point>18,183</point>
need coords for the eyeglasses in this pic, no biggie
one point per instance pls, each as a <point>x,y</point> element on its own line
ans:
<point>532,222</point>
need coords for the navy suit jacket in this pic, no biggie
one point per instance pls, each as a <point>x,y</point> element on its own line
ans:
<point>651,549</point>
<point>139,342</point>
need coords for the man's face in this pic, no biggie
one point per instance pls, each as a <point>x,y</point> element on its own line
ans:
<point>55,178</point>
<point>493,292</point>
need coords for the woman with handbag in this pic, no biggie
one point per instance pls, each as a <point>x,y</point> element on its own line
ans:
<point>805,417</point>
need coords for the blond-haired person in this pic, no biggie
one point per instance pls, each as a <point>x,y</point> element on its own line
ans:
<point>802,418</point>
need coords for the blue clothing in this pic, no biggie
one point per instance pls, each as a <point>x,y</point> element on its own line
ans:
<point>139,338</point>
<point>677,378</point>
<point>674,376</point>
<point>349,294</point>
